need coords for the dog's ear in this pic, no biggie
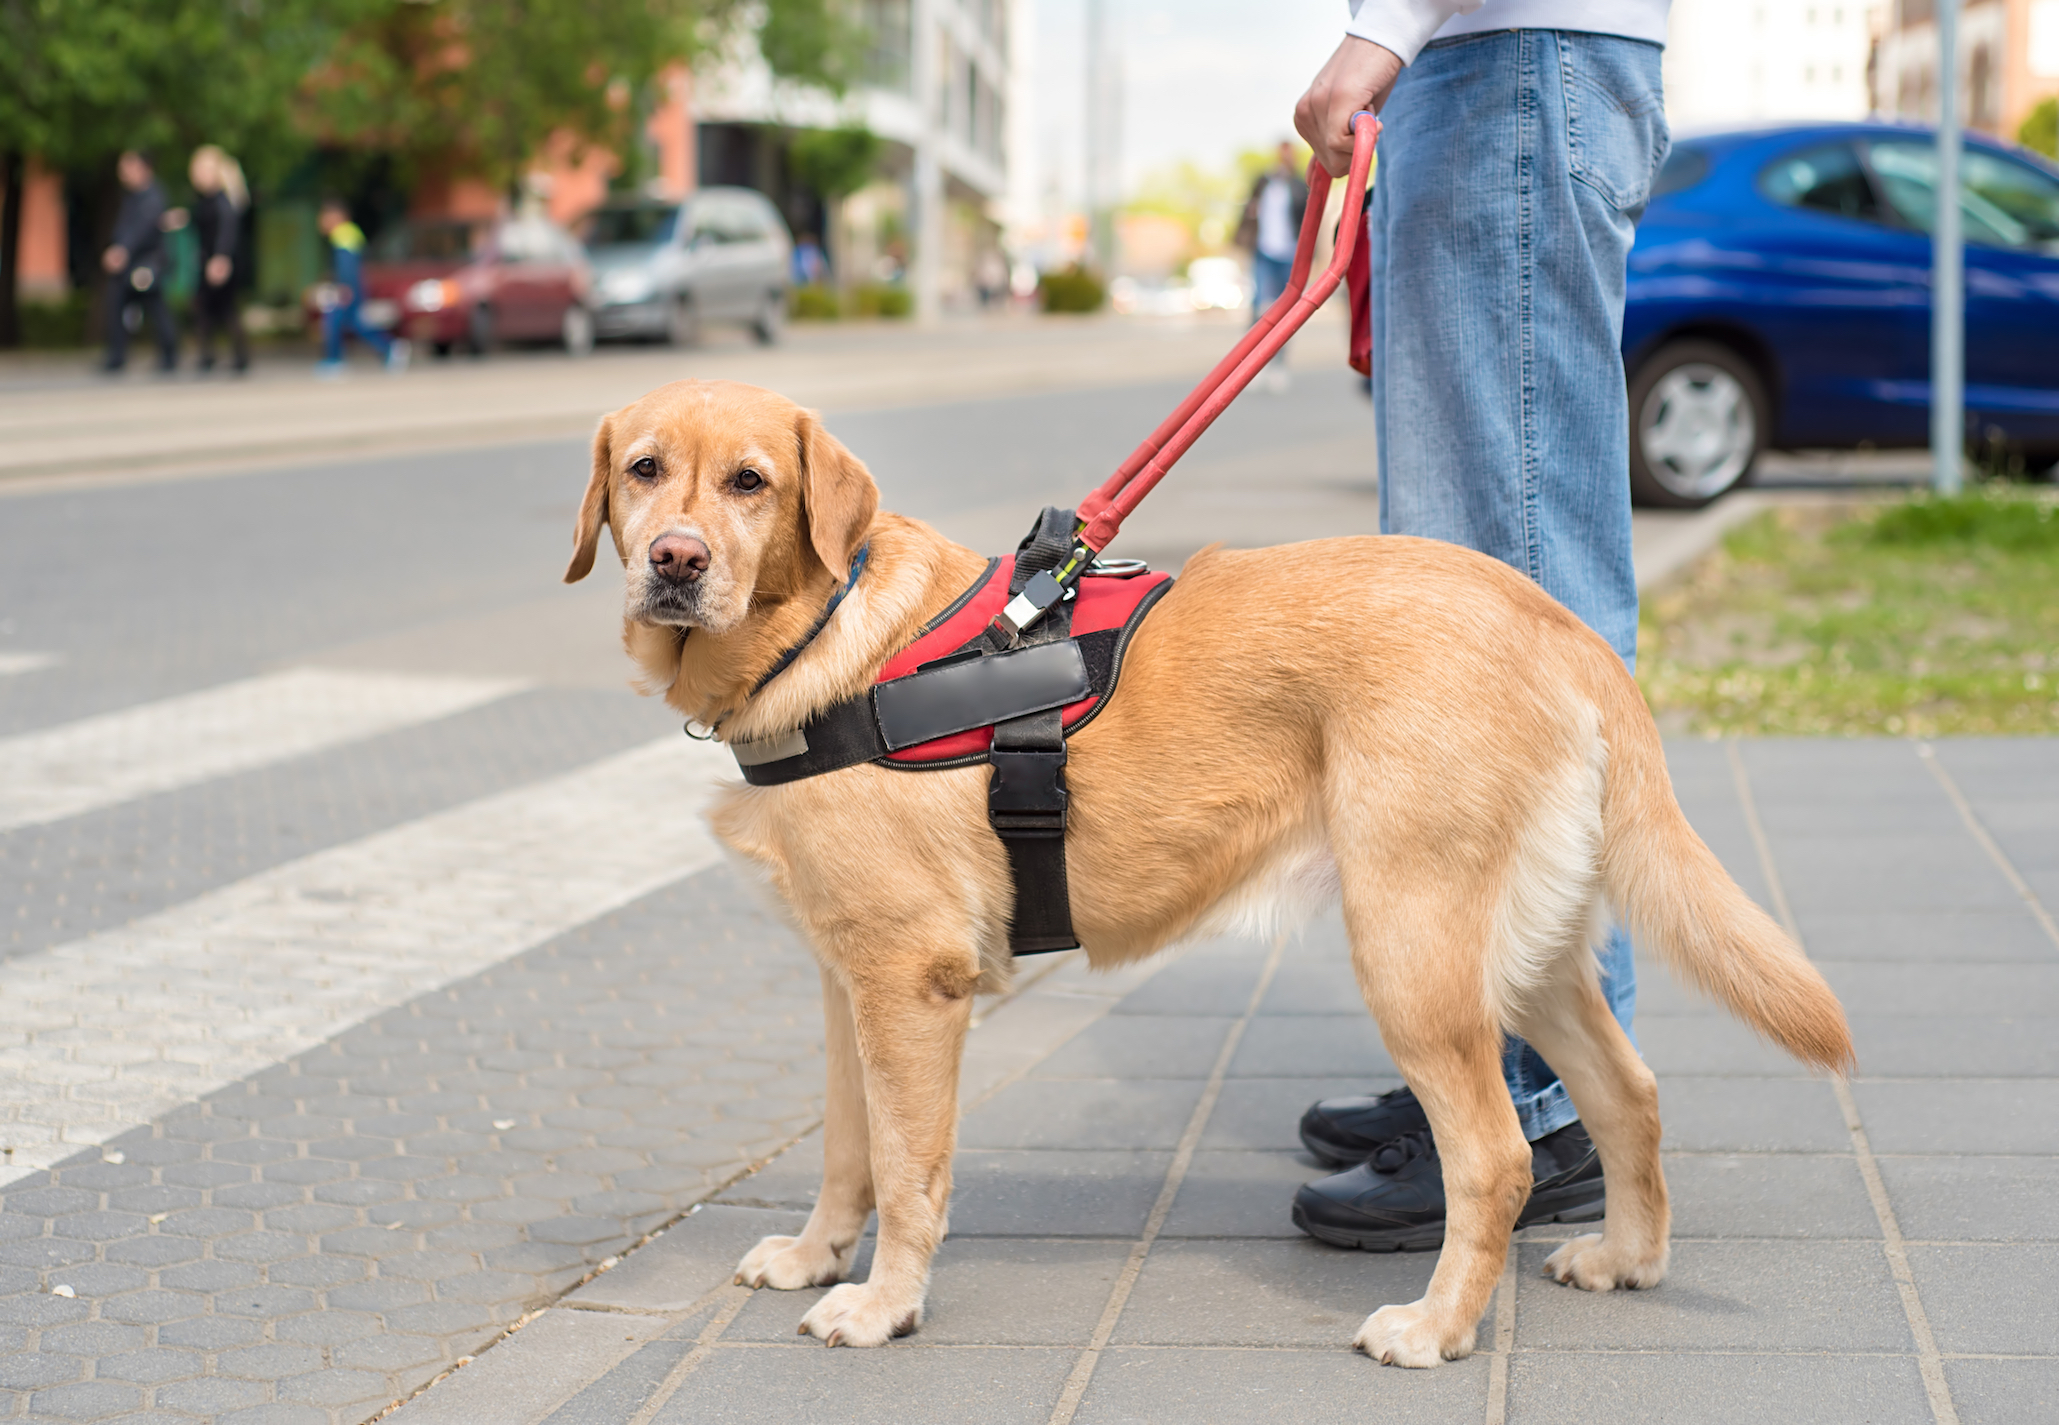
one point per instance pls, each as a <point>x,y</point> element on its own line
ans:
<point>838,496</point>
<point>593,509</point>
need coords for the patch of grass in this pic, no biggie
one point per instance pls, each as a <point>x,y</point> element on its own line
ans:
<point>814,303</point>
<point>1071,289</point>
<point>882,299</point>
<point>1922,617</point>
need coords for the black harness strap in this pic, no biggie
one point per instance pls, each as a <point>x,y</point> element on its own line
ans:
<point>1026,796</point>
<point>847,733</point>
<point>1021,686</point>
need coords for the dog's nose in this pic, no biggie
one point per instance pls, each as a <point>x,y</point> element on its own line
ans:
<point>679,557</point>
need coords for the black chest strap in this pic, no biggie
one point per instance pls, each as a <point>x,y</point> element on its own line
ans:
<point>1022,692</point>
<point>1026,796</point>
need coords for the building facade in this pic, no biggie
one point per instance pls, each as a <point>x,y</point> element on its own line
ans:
<point>1737,62</point>
<point>2008,61</point>
<point>943,86</point>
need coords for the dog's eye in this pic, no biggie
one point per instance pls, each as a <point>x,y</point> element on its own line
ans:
<point>645,468</point>
<point>748,480</point>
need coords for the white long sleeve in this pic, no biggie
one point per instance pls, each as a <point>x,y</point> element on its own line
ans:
<point>1405,26</point>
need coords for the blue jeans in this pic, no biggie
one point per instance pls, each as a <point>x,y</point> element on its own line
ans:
<point>1513,167</point>
<point>351,317</point>
<point>1268,280</point>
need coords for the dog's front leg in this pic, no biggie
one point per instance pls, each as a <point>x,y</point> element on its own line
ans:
<point>823,1252</point>
<point>911,1008</point>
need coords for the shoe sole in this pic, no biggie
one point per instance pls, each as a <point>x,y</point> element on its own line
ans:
<point>1569,1205</point>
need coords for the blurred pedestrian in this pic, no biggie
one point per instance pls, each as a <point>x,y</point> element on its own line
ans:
<point>1270,230</point>
<point>134,263</point>
<point>990,277</point>
<point>811,266</point>
<point>220,199</point>
<point>346,313</point>
<point>1519,144</point>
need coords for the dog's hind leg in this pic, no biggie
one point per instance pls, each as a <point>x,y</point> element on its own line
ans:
<point>823,1252</point>
<point>1567,1020</point>
<point>912,1007</point>
<point>1419,956</point>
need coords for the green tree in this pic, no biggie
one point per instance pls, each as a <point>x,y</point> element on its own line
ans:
<point>2041,129</point>
<point>835,162</point>
<point>80,81</point>
<point>813,42</point>
<point>478,86</point>
<point>470,87</point>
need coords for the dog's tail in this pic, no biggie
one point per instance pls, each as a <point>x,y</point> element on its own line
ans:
<point>1676,896</point>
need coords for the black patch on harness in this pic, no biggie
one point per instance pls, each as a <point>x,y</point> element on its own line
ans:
<point>978,692</point>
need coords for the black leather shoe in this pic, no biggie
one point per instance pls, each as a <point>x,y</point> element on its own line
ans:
<point>1394,1202</point>
<point>1344,1131</point>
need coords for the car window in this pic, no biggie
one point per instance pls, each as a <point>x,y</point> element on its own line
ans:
<point>427,242</point>
<point>526,242</point>
<point>644,224</point>
<point>755,219</point>
<point>1686,166</point>
<point>2002,203</point>
<point>709,223</point>
<point>720,217</point>
<point>1826,179</point>
<point>2027,194</point>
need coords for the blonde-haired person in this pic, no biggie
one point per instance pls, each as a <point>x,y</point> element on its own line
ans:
<point>220,199</point>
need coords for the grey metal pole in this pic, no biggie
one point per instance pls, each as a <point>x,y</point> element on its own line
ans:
<point>1100,228</point>
<point>1948,273</point>
<point>926,270</point>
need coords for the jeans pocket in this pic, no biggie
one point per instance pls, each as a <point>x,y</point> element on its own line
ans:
<point>1616,134</point>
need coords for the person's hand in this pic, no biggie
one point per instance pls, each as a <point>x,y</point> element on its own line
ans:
<point>217,271</point>
<point>1358,76</point>
<point>115,258</point>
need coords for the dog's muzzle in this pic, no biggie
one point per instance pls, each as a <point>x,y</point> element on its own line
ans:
<point>672,583</point>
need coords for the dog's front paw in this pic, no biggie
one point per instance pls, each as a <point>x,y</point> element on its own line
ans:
<point>790,1263</point>
<point>1411,1336</point>
<point>859,1315</point>
<point>1592,1263</point>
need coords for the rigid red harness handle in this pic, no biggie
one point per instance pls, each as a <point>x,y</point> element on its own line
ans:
<point>1101,514</point>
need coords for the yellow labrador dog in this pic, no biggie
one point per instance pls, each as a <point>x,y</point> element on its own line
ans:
<point>1431,738</point>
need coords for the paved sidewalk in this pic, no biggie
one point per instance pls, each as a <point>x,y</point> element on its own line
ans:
<point>1882,1252</point>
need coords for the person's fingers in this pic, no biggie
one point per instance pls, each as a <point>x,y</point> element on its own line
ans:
<point>1358,76</point>
<point>1305,122</point>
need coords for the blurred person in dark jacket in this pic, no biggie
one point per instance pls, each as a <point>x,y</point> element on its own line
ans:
<point>134,262</point>
<point>1270,230</point>
<point>220,199</point>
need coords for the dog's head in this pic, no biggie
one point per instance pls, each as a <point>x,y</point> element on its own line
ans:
<point>720,497</point>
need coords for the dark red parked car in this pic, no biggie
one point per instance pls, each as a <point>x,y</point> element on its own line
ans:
<point>471,283</point>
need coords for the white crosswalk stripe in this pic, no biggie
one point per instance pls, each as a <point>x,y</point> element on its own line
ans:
<point>157,747</point>
<point>106,1033</point>
<point>14,661</point>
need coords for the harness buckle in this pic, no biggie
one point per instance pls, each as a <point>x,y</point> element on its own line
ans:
<point>1036,599</point>
<point>1026,795</point>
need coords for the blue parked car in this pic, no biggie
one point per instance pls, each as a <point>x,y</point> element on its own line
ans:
<point>1779,295</point>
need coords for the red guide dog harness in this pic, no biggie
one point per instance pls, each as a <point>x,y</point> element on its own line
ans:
<point>963,693</point>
